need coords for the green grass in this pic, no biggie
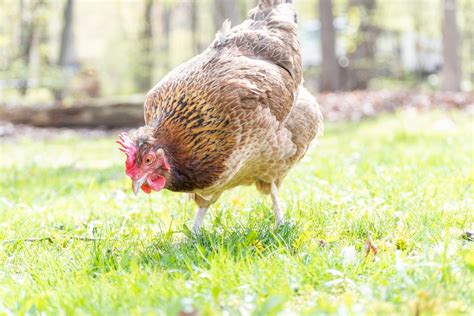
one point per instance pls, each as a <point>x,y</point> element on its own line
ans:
<point>405,180</point>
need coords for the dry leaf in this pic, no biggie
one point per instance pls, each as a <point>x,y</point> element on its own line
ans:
<point>468,235</point>
<point>370,247</point>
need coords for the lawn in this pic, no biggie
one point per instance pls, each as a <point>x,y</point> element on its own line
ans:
<point>403,181</point>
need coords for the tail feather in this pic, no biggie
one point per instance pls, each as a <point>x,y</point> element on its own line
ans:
<point>272,3</point>
<point>282,47</point>
<point>270,33</point>
<point>266,7</point>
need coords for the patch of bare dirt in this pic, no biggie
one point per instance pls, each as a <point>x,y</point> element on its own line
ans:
<point>356,105</point>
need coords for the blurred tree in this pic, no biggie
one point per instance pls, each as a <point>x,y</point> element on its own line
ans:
<point>194,8</point>
<point>245,6</point>
<point>329,76</point>
<point>166,14</point>
<point>466,10</point>
<point>226,9</point>
<point>418,24</point>
<point>451,74</point>
<point>67,60</point>
<point>28,31</point>
<point>144,71</point>
<point>360,68</point>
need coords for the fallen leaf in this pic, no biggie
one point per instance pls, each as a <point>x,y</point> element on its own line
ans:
<point>191,313</point>
<point>468,235</point>
<point>370,247</point>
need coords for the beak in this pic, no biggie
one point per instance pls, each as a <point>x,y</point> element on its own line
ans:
<point>137,184</point>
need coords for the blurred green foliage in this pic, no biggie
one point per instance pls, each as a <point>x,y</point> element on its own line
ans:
<point>109,44</point>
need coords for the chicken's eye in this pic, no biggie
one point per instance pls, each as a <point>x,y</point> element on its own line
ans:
<point>148,160</point>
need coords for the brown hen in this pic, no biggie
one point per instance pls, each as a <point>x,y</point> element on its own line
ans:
<point>237,114</point>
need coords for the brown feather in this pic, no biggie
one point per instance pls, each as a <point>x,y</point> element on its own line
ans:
<point>233,114</point>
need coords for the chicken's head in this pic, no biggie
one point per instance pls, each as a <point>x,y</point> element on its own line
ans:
<point>146,164</point>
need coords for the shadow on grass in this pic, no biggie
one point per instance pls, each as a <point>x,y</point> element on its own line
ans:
<point>194,252</point>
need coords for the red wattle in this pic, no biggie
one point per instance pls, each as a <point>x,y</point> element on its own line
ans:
<point>146,188</point>
<point>156,182</point>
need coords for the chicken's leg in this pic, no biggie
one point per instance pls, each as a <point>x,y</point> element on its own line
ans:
<point>199,218</point>
<point>276,206</point>
<point>203,205</point>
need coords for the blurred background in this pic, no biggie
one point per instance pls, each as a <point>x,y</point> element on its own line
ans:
<point>80,52</point>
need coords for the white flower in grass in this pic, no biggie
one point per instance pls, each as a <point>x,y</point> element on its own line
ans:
<point>187,305</point>
<point>349,255</point>
<point>334,282</point>
<point>335,272</point>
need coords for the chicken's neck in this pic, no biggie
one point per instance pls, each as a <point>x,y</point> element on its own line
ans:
<point>187,171</point>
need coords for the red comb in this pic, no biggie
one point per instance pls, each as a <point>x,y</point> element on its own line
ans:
<point>128,147</point>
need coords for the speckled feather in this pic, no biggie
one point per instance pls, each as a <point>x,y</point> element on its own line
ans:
<point>237,113</point>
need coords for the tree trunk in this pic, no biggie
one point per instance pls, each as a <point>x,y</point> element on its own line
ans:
<point>27,33</point>
<point>144,73</point>
<point>329,76</point>
<point>67,56</point>
<point>66,48</point>
<point>225,9</point>
<point>360,68</point>
<point>166,33</point>
<point>467,41</point>
<point>195,26</point>
<point>244,9</point>
<point>451,73</point>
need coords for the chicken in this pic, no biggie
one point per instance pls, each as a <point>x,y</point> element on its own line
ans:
<point>237,114</point>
